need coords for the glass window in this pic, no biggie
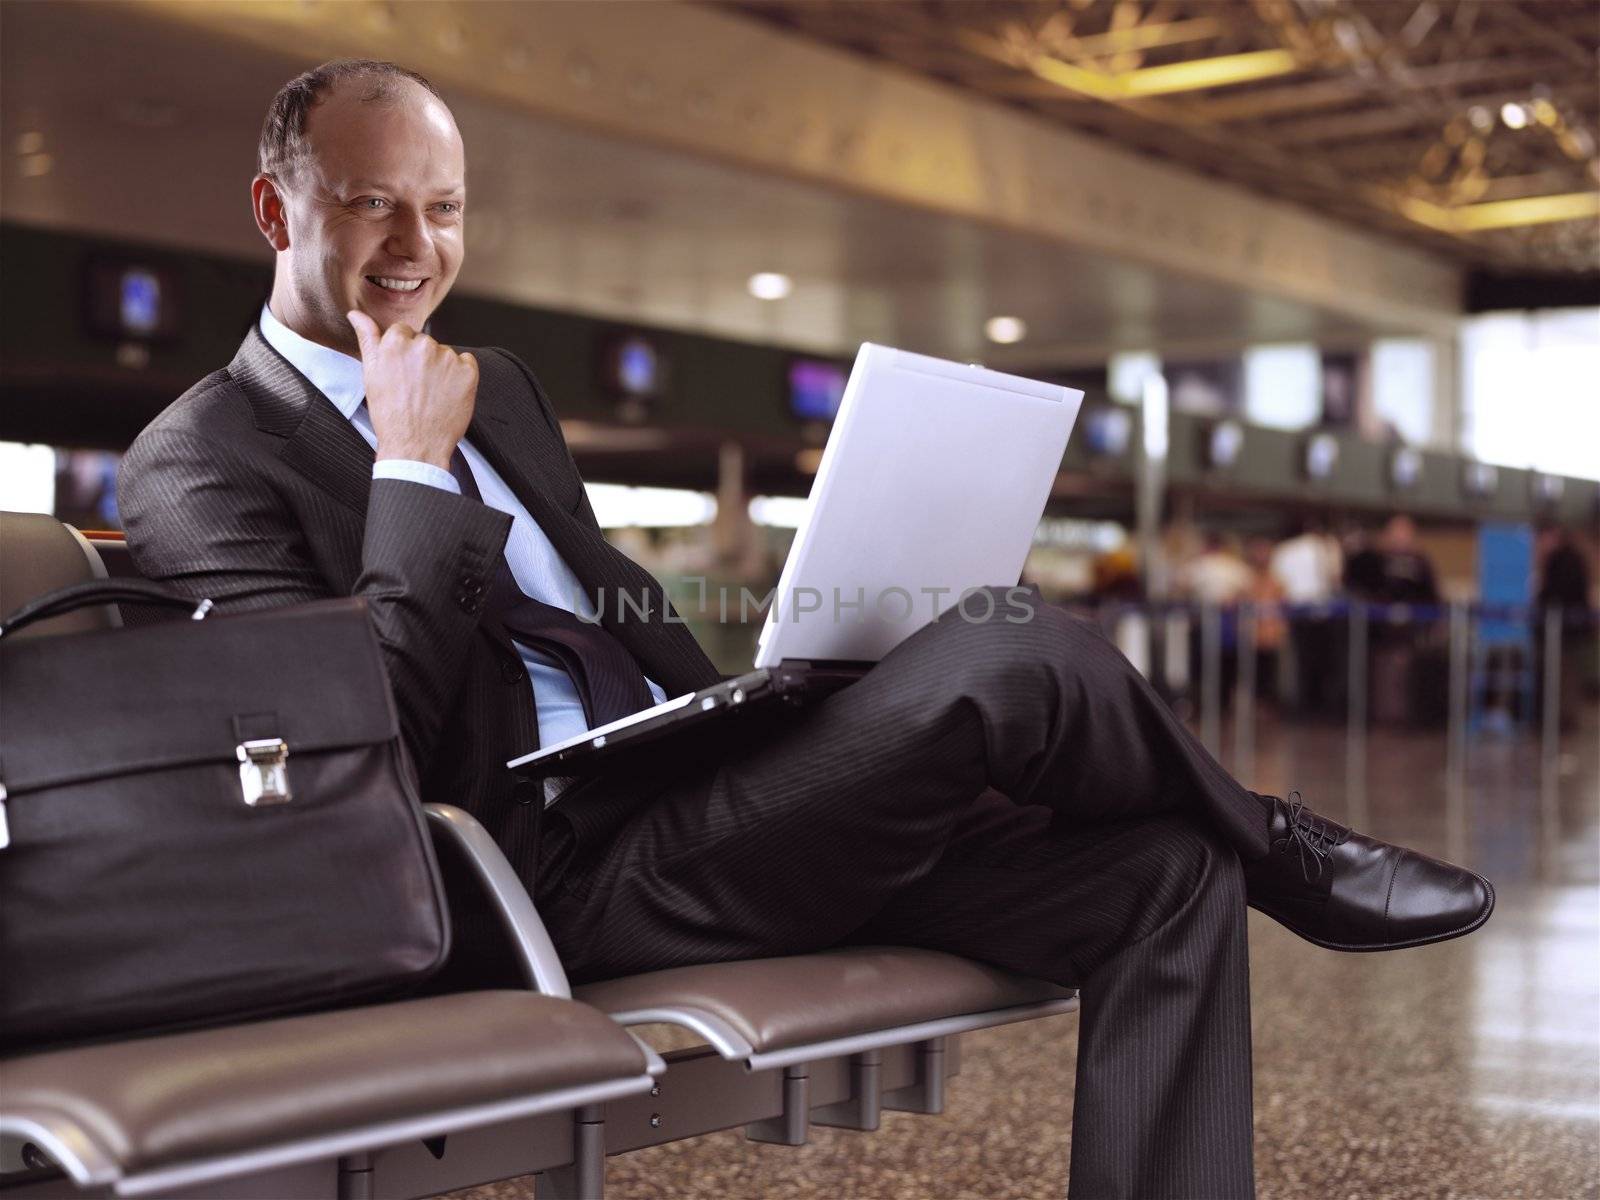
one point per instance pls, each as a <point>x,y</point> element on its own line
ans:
<point>1402,388</point>
<point>1529,392</point>
<point>1283,386</point>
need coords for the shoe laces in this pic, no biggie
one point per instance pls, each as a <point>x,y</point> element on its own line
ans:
<point>1310,836</point>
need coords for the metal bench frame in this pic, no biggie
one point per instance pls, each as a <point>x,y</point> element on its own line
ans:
<point>561,1136</point>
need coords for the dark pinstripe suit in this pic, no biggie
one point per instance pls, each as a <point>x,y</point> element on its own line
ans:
<point>1013,792</point>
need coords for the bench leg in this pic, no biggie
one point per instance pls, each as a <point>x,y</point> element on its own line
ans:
<point>864,1106</point>
<point>792,1126</point>
<point>585,1178</point>
<point>926,1095</point>
<point>355,1177</point>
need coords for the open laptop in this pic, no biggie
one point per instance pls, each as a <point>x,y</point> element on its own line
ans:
<point>933,479</point>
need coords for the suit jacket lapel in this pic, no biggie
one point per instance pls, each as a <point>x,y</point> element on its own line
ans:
<point>514,450</point>
<point>319,442</point>
<point>522,452</point>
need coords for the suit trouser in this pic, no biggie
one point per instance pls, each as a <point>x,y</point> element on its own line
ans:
<point>1010,791</point>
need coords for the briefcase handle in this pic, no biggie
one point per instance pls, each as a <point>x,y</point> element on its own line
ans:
<point>100,591</point>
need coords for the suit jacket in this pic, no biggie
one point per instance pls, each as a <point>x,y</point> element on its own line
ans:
<point>254,490</point>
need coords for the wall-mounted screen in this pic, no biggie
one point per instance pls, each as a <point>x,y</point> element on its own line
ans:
<point>125,299</point>
<point>1405,468</point>
<point>1108,431</point>
<point>1546,489</point>
<point>816,387</point>
<point>1480,479</point>
<point>1322,455</point>
<point>632,367</point>
<point>1224,444</point>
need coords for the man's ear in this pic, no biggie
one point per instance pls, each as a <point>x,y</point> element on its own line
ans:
<point>267,203</point>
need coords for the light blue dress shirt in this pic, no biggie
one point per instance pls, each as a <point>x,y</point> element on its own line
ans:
<point>536,566</point>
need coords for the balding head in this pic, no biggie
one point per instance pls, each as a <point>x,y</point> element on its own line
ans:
<point>362,194</point>
<point>283,147</point>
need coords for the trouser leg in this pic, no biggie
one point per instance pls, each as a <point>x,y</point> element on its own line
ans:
<point>790,841</point>
<point>1147,918</point>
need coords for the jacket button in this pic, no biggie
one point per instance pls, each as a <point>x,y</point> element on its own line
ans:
<point>511,671</point>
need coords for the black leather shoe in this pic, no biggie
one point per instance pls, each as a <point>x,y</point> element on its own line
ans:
<point>1341,890</point>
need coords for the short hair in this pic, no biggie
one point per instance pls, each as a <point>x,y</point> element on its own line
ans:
<point>283,149</point>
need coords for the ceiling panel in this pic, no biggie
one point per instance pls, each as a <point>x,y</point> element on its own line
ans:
<point>147,129</point>
<point>1398,115</point>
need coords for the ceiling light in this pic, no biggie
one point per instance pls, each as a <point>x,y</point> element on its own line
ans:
<point>1529,210</point>
<point>1196,74</point>
<point>1514,115</point>
<point>1005,330</point>
<point>1482,119</point>
<point>770,285</point>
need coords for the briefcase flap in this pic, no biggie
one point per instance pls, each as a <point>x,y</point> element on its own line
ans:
<point>80,707</point>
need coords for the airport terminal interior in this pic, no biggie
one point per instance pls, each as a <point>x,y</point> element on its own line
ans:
<point>1327,275</point>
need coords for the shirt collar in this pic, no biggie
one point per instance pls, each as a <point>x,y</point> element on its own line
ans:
<point>335,374</point>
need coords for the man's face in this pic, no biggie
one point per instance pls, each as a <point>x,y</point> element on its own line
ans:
<point>1399,535</point>
<point>382,196</point>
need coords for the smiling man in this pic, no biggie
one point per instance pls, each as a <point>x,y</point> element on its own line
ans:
<point>1010,792</point>
<point>389,245</point>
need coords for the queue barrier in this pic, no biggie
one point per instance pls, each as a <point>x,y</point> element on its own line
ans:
<point>1483,670</point>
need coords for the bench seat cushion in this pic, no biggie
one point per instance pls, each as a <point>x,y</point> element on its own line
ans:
<point>154,1102</point>
<point>780,1003</point>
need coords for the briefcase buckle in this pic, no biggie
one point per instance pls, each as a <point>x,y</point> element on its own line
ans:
<point>264,771</point>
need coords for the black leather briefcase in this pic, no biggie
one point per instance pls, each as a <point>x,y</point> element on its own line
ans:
<point>204,821</point>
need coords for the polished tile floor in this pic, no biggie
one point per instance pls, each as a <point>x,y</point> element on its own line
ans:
<point>1467,1069</point>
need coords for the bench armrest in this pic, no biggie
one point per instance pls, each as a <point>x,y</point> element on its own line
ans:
<point>536,953</point>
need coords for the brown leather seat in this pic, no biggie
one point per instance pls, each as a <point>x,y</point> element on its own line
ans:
<point>780,1003</point>
<point>427,1066</point>
<point>39,554</point>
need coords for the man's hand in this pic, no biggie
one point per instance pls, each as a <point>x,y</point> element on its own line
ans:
<point>419,394</point>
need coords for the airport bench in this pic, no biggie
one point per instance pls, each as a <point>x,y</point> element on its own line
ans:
<point>831,1038</point>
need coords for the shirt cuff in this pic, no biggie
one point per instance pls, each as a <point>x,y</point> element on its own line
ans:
<point>415,472</point>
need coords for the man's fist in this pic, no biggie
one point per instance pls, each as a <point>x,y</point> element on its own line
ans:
<point>419,394</point>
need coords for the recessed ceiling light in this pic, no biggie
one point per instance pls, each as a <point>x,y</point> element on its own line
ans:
<point>1514,115</point>
<point>769,285</point>
<point>1005,330</point>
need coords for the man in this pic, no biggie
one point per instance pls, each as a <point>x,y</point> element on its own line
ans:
<point>1308,567</point>
<point>1012,792</point>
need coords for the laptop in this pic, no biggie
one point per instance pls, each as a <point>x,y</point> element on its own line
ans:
<point>931,484</point>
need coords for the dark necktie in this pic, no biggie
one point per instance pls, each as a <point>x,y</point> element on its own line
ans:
<point>608,680</point>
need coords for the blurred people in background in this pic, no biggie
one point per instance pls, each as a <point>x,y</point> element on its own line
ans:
<point>1392,571</point>
<point>1309,565</point>
<point>1116,576</point>
<point>1266,595</point>
<point>1308,568</point>
<point>1397,572</point>
<point>1565,584</point>
<point>1218,577</point>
